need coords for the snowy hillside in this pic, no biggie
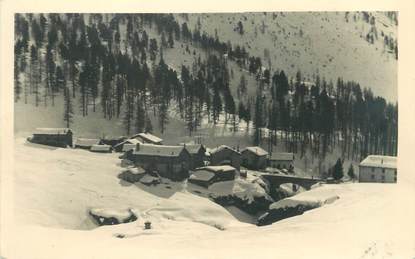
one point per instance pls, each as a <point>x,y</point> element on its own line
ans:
<point>55,188</point>
<point>332,44</point>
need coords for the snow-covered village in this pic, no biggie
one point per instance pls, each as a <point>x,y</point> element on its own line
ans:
<point>207,135</point>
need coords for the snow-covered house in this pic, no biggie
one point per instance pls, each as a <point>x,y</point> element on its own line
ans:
<point>254,158</point>
<point>224,155</point>
<point>205,176</point>
<point>127,145</point>
<point>197,153</point>
<point>86,143</point>
<point>58,137</point>
<point>379,169</point>
<point>101,148</point>
<point>171,162</point>
<point>148,138</point>
<point>281,160</point>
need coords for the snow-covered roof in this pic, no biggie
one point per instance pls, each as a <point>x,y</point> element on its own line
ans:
<point>119,214</point>
<point>148,137</point>
<point>256,150</point>
<point>100,148</point>
<point>217,168</point>
<point>51,131</point>
<point>193,148</point>
<point>158,150</point>
<point>220,148</point>
<point>129,141</point>
<point>86,142</point>
<point>379,161</point>
<point>282,156</point>
<point>202,175</point>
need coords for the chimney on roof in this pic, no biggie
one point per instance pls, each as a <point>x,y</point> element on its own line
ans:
<point>137,147</point>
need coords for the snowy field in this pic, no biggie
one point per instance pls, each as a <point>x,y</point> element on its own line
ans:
<point>55,189</point>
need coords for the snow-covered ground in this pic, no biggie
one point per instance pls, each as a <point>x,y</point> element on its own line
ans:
<point>55,188</point>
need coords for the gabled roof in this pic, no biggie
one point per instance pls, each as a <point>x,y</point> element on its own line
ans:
<point>222,147</point>
<point>129,141</point>
<point>193,148</point>
<point>282,156</point>
<point>86,142</point>
<point>379,161</point>
<point>158,150</point>
<point>148,137</point>
<point>256,150</point>
<point>51,131</point>
<point>100,148</point>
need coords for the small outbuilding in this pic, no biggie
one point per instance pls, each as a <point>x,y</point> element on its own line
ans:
<point>57,137</point>
<point>254,158</point>
<point>86,143</point>
<point>148,138</point>
<point>101,148</point>
<point>281,160</point>
<point>224,155</point>
<point>205,176</point>
<point>378,169</point>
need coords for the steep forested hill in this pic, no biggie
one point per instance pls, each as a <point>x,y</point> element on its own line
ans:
<point>299,81</point>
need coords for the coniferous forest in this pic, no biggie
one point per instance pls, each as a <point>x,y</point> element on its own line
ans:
<point>108,63</point>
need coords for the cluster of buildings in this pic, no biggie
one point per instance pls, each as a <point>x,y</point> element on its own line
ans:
<point>194,161</point>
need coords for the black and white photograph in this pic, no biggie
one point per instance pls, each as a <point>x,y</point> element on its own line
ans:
<point>243,134</point>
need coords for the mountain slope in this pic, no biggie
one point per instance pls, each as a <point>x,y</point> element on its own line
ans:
<point>323,42</point>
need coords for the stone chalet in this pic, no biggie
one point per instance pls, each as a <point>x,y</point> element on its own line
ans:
<point>378,169</point>
<point>224,155</point>
<point>197,153</point>
<point>172,162</point>
<point>57,137</point>
<point>205,176</point>
<point>254,158</point>
<point>281,160</point>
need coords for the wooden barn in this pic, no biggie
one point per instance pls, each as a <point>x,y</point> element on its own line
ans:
<point>172,162</point>
<point>101,148</point>
<point>254,158</point>
<point>148,138</point>
<point>86,143</point>
<point>205,176</point>
<point>127,145</point>
<point>281,160</point>
<point>224,155</point>
<point>198,155</point>
<point>57,137</point>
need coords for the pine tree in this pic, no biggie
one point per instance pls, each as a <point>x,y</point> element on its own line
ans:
<point>129,112</point>
<point>68,109</point>
<point>140,117</point>
<point>338,170</point>
<point>170,39</point>
<point>149,125</point>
